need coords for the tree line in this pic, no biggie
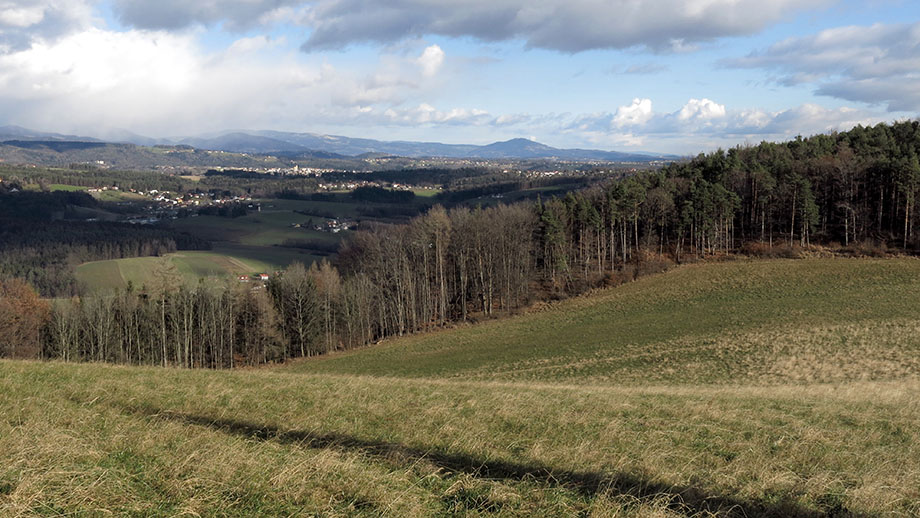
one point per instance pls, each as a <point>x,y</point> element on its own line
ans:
<point>461,264</point>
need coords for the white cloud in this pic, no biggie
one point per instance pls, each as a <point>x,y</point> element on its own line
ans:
<point>705,124</point>
<point>96,61</point>
<point>701,109</point>
<point>23,22</point>
<point>20,17</point>
<point>254,44</point>
<point>637,113</point>
<point>877,64</point>
<point>431,60</point>
<point>164,83</point>
<point>428,114</point>
<point>510,119</point>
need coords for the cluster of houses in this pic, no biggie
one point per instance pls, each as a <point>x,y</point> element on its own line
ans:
<point>259,277</point>
<point>294,170</point>
<point>330,225</point>
<point>167,205</point>
<point>334,225</point>
<point>192,199</point>
<point>345,186</point>
<point>352,185</point>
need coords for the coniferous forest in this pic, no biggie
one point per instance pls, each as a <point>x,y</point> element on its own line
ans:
<point>851,191</point>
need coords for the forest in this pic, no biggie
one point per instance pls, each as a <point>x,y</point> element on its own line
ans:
<point>842,191</point>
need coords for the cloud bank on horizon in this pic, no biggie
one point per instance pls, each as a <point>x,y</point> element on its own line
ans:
<point>665,75</point>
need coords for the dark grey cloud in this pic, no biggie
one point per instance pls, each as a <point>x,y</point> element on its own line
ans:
<point>178,14</point>
<point>563,25</point>
<point>878,64</point>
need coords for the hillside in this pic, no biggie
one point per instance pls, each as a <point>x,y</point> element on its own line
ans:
<point>63,153</point>
<point>763,322</point>
<point>739,389</point>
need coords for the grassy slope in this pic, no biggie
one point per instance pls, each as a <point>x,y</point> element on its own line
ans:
<point>741,322</point>
<point>732,420</point>
<point>224,262</point>
<point>79,439</point>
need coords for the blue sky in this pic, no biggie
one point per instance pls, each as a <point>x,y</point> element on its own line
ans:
<point>678,76</point>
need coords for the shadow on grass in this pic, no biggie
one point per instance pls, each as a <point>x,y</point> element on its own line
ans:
<point>683,499</point>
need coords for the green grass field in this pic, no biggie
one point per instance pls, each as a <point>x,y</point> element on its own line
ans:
<point>747,388</point>
<point>260,233</point>
<point>255,229</point>
<point>224,263</point>
<point>741,322</point>
<point>342,209</point>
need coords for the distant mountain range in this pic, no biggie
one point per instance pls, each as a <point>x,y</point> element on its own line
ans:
<point>313,145</point>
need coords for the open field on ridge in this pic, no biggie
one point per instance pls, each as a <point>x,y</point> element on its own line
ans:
<point>745,388</point>
<point>224,263</point>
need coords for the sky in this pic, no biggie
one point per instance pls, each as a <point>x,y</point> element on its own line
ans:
<point>668,76</point>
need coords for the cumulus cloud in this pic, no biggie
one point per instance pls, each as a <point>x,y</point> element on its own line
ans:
<point>701,109</point>
<point>807,119</point>
<point>431,60</point>
<point>878,64</point>
<point>164,83</point>
<point>23,22</point>
<point>703,124</point>
<point>639,112</point>
<point>565,25</point>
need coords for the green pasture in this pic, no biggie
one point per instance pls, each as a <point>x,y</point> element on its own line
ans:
<point>816,320</point>
<point>223,263</point>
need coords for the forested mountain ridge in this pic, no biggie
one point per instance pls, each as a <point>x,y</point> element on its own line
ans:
<point>24,144</point>
<point>63,153</point>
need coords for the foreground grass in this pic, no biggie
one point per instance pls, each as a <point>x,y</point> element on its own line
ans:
<point>740,322</point>
<point>89,440</point>
<point>754,389</point>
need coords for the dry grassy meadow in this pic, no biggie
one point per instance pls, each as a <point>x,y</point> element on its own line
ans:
<point>746,388</point>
